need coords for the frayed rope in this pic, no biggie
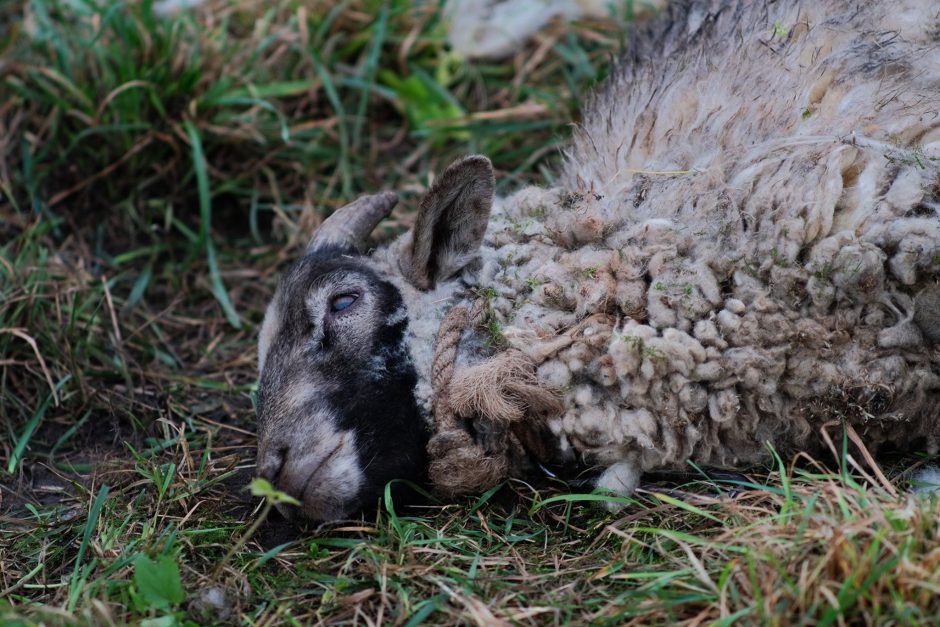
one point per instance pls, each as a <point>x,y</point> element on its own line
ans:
<point>497,395</point>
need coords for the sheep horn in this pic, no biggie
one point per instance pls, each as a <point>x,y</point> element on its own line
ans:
<point>352,223</point>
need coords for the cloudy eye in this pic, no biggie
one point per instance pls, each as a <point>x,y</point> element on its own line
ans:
<point>343,301</point>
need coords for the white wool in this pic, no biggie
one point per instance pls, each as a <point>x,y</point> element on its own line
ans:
<point>926,481</point>
<point>170,7</point>
<point>621,478</point>
<point>735,252</point>
<point>425,312</point>
<point>497,28</point>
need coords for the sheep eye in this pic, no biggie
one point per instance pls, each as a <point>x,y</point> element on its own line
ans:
<point>344,301</point>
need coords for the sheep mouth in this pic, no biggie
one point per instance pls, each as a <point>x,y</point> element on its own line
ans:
<point>328,486</point>
<point>315,508</point>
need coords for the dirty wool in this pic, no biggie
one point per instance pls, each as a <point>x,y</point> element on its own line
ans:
<point>743,246</point>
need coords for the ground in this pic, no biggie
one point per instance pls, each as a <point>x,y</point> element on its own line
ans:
<point>155,176</point>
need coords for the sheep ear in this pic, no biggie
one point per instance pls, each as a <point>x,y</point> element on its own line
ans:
<point>451,223</point>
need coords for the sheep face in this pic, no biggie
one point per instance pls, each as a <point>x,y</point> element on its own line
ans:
<point>340,411</point>
<point>336,407</point>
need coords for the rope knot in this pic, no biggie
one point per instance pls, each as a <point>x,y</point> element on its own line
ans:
<point>499,400</point>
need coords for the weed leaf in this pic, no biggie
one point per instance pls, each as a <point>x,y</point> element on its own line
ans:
<point>158,581</point>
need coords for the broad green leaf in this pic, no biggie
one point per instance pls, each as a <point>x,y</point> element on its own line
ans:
<point>158,581</point>
<point>260,487</point>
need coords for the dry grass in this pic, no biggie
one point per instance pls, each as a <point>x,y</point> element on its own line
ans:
<point>155,176</point>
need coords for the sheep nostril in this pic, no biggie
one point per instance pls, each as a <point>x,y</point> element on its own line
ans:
<point>270,464</point>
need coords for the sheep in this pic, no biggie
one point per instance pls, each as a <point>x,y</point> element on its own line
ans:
<point>743,247</point>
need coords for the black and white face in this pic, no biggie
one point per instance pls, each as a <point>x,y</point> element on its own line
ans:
<point>338,416</point>
<point>337,413</point>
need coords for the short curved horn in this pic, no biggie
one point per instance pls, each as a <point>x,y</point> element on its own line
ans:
<point>351,224</point>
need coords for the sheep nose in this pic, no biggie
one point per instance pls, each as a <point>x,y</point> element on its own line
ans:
<point>270,463</point>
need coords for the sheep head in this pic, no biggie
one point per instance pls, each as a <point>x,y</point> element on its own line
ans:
<point>338,410</point>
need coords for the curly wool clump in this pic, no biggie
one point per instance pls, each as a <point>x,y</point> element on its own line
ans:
<point>745,244</point>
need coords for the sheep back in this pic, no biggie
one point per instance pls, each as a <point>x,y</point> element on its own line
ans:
<point>745,240</point>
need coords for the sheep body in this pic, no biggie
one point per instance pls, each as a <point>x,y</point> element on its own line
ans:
<point>743,246</point>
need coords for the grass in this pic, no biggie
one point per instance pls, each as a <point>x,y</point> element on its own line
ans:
<point>155,175</point>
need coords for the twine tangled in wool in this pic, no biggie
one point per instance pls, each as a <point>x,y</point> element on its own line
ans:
<point>499,397</point>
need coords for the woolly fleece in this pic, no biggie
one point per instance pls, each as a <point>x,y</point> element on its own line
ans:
<point>744,244</point>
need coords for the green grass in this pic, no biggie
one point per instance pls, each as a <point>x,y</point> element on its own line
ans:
<point>155,176</point>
